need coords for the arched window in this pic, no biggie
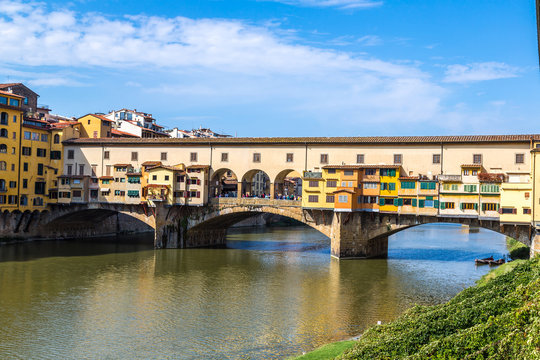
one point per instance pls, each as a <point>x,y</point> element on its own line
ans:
<point>2,184</point>
<point>3,148</point>
<point>3,133</point>
<point>4,118</point>
<point>3,166</point>
<point>56,139</point>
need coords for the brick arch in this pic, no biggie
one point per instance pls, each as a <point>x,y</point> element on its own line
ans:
<point>226,216</point>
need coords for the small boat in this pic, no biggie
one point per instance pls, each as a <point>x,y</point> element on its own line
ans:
<point>484,261</point>
<point>497,262</point>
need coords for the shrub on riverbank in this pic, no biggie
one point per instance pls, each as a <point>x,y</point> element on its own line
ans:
<point>497,319</point>
<point>516,249</point>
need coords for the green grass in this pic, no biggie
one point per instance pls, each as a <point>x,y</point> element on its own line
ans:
<point>497,319</point>
<point>328,351</point>
<point>516,249</point>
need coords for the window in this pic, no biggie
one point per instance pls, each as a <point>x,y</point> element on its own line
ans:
<point>489,188</point>
<point>436,158</point>
<point>44,137</point>
<point>313,183</point>
<point>331,183</point>
<point>388,172</point>
<point>14,118</point>
<point>12,167</point>
<point>520,158</point>
<point>179,178</point>
<point>330,199</point>
<point>35,136</point>
<point>166,177</point>
<point>134,180</point>
<point>71,154</point>
<point>313,198</point>
<point>56,139</point>
<point>331,171</point>
<point>12,184</point>
<point>371,185</point>
<point>3,148</point>
<point>3,133</point>
<point>359,158</point>
<point>3,166</point>
<point>508,211</point>
<point>27,135</point>
<point>448,205</point>
<point>257,157</point>
<point>119,193</point>
<point>40,169</point>
<point>407,202</point>
<point>133,193</point>
<point>23,200</point>
<point>469,206</point>
<point>469,188</point>
<point>466,172</point>
<point>477,158</point>
<point>428,185</point>
<point>70,169</point>
<point>154,177</point>
<point>3,100</point>
<point>14,135</point>
<point>25,167</point>
<point>490,207</point>
<point>324,158</point>
<point>4,119</point>
<point>25,183</point>
<point>348,172</point>
<point>371,171</point>
<point>398,159</point>
<point>408,185</point>
<point>526,211</point>
<point>106,155</point>
<point>14,102</point>
<point>56,155</point>
<point>224,157</point>
<point>41,152</point>
<point>12,199</point>
<point>134,156</point>
<point>343,184</point>
<point>81,169</point>
<point>343,198</point>
<point>290,157</point>
<point>474,172</point>
<point>527,194</point>
<point>39,187</point>
<point>77,193</point>
<point>163,156</point>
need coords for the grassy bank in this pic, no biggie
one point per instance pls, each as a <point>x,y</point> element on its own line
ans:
<point>499,318</point>
<point>516,249</point>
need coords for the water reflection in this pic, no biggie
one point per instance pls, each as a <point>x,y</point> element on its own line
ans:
<point>271,293</point>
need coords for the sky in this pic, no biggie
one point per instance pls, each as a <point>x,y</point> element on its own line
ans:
<point>283,67</point>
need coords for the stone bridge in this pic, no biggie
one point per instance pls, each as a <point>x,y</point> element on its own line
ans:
<point>352,234</point>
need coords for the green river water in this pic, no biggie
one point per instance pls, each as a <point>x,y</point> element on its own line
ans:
<point>271,293</point>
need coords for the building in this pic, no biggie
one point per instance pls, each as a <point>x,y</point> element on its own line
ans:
<point>95,126</point>
<point>136,123</point>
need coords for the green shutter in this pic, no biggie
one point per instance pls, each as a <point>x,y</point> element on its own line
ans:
<point>400,202</point>
<point>381,201</point>
<point>436,204</point>
<point>392,186</point>
<point>396,202</point>
<point>429,197</point>
<point>475,206</point>
<point>461,206</point>
<point>414,202</point>
<point>443,205</point>
<point>422,202</point>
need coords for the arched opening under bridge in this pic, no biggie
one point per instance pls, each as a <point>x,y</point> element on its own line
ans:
<point>288,185</point>
<point>224,183</point>
<point>256,183</point>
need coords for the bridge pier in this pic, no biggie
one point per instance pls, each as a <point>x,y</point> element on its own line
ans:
<point>353,235</point>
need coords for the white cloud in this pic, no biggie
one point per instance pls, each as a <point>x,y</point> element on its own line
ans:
<point>341,4</point>
<point>370,40</point>
<point>479,72</point>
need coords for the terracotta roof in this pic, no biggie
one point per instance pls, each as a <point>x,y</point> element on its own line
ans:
<point>151,163</point>
<point>122,165</point>
<point>478,166</point>
<point>98,116</point>
<point>123,133</point>
<point>361,167</point>
<point>133,174</point>
<point>11,94</point>
<point>343,190</point>
<point>173,168</point>
<point>199,167</point>
<point>368,140</point>
<point>157,185</point>
<point>488,177</point>
<point>408,178</point>
<point>106,178</point>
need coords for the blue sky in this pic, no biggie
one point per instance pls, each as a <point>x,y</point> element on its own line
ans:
<point>284,67</point>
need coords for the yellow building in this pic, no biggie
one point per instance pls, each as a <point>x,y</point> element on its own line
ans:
<point>167,184</point>
<point>516,198</point>
<point>388,195</point>
<point>95,126</point>
<point>11,117</point>
<point>318,189</point>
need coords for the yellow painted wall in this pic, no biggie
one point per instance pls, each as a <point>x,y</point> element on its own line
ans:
<point>514,196</point>
<point>11,154</point>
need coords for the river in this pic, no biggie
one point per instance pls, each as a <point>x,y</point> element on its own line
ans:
<point>271,293</point>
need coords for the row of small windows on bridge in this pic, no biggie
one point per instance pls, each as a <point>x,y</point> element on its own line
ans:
<point>22,200</point>
<point>289,157</point>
